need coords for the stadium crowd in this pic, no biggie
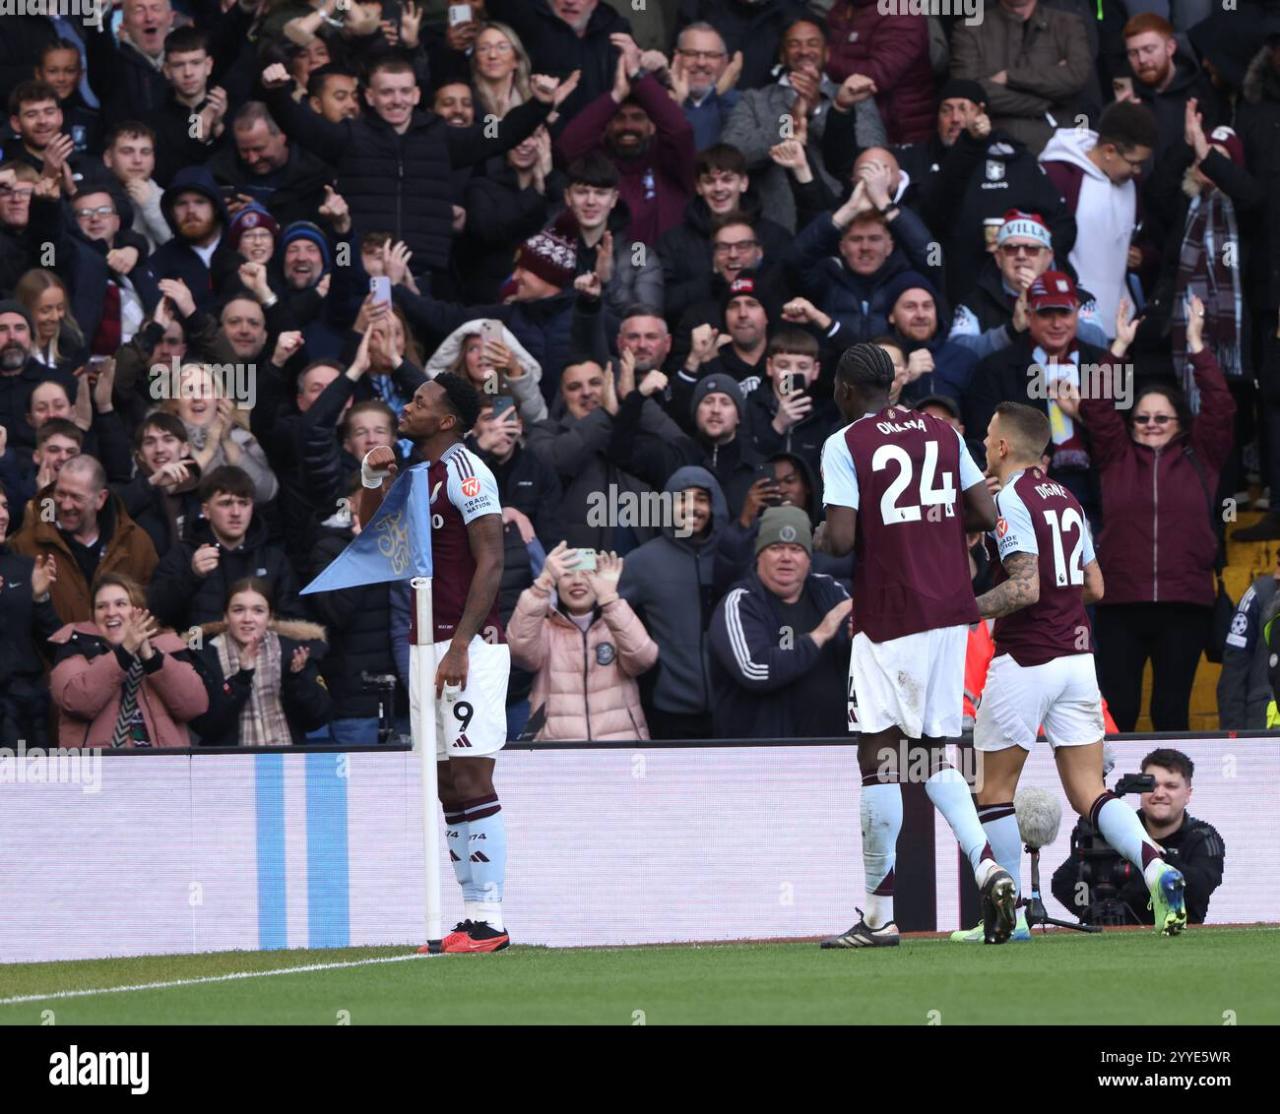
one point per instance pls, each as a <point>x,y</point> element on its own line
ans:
<point>645,232</point>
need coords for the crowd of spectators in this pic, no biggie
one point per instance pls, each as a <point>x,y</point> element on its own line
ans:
<point>646,236</point>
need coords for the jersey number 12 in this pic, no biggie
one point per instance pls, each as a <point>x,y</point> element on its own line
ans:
<point>1063,522</point>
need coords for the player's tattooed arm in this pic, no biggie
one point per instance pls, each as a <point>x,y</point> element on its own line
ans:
<point>1021,589</point>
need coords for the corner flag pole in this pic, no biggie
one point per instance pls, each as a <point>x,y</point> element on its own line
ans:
<point>422,727</point>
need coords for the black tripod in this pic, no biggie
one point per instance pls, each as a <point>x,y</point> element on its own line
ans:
<point>1036,914</point>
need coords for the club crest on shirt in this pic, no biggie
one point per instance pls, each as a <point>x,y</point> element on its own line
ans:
<point>995,170</point>
<point>1002,527</point>
<point>471,487</point>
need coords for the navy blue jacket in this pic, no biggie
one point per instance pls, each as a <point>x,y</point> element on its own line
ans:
<point>771,683</point>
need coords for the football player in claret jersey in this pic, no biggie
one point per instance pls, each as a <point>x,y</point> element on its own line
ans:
<point>901,491</point>
<point>473,662</point>
<point>1043,672</point>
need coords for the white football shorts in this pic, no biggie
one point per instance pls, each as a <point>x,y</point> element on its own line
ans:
<point>471,723</point>
<point>914,683</point>
<point>1061,695</point>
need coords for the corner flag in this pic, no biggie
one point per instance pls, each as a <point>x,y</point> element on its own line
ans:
<point>394,545</point>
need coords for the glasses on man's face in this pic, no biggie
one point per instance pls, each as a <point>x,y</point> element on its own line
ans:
<point>701,55</point>
<point>19,194</point>
<point>494,48</point>
<point>1012,250</point>
<point>1148,419</point>
<point>737,247</point>
<point>96,211</point>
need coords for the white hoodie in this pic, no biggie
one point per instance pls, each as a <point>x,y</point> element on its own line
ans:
<point>1105,218</point>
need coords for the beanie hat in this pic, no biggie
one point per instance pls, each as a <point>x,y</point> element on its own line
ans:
<point>305,230</point>
<point>552,254</point>
<point>960,87</point>
<point>904,281</point>
<point>784,525</point>
<point>747,284</point>
<point>10,305</point>
<point>1227,139</point>
<point>719,384</point>
<point>253,216</point>
<point>1030,226</point>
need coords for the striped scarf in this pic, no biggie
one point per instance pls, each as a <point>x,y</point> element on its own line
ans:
<point>1209,268</point>
<point>262,719</point>
<point>130,725</point>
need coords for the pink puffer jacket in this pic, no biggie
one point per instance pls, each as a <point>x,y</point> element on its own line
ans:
<point>88,682</point>
<point>585,682</point>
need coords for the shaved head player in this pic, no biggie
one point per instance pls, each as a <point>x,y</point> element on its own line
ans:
<point>901,490</point>
<point>1042,671</point>
<point>473,662</point>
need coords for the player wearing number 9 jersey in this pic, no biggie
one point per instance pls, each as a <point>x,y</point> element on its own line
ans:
<point>473,661</point>
<point>1043,672</point>
<point>901,490</point>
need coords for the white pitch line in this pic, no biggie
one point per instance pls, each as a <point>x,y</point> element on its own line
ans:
<point>206,979</point>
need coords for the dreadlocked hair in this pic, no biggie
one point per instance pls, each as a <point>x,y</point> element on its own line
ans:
<point>865,366</point>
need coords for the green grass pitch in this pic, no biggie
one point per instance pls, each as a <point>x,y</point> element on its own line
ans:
<point>1205,977</point>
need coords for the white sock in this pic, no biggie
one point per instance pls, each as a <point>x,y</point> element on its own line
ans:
<point>487,911</point>
<point>1120,827</point>
<point>949,793</point>
<point>1000,823</point>
<point>881,809</point>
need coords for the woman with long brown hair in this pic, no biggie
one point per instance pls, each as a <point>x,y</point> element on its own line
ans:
<point>58,341</point>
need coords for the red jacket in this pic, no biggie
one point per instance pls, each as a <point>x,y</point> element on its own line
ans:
<point>656,185</point>
<point>892,50</point>
<point>1157,543</point>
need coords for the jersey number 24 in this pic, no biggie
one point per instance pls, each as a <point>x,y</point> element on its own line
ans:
<point>926,496</point>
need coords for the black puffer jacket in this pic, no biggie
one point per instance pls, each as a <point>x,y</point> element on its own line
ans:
<point>685,251</point>
<point>402,183</point>
<point>359,624</point>
<point>306,702</point>
<point>180,599</point>
<point>24,695</point>
<point>556,48</point>
<point>163,516</point>
<point>500,216</point>
<point>297,190</point>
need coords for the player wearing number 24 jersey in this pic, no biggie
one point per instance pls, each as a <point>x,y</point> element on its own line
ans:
<point>901,490</point>
<point>473,661</point>
<point>1043,672</point>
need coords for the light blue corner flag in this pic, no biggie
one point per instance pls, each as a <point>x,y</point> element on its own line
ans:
<point>395,545</point>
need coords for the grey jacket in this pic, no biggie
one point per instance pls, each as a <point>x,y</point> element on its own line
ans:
<point>593,474</point>
<point>761,119</point>
<point>1244,688</point>
<point>669,583</point>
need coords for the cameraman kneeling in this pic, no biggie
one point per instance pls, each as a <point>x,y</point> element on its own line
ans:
<point>1191,845</point>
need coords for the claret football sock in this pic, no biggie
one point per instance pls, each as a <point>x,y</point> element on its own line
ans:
<point>949,793</point>
<point>1120,827</point>
<point>881,808</point>
<point>487,852</point>
<point>1000,822</point>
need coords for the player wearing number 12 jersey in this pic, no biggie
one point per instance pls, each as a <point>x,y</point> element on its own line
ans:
<point>1043,672</point>
<point>901,490</point>
<point>473,661</point>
